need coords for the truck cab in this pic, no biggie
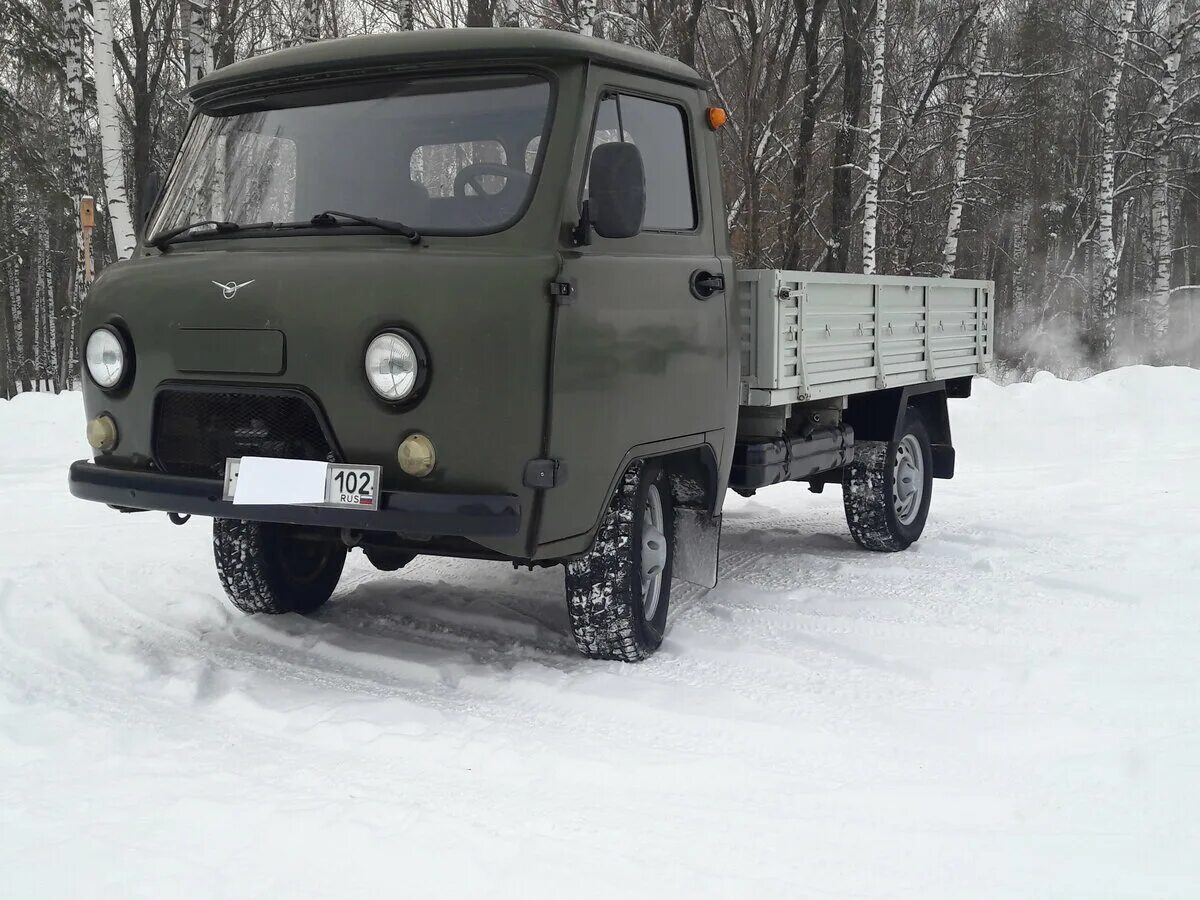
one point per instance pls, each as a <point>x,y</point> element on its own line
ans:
<point>464,293</point>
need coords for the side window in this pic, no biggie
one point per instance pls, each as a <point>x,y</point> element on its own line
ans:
<point>435,166</point>
<point>659,131</point>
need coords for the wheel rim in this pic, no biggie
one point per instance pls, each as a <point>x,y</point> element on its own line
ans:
<point>654,552</point>
<point>908,479</point>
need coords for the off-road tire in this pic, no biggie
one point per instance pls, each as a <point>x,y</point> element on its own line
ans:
<point>604,587</point>
<point>266,568</point>
<point>869,491</point>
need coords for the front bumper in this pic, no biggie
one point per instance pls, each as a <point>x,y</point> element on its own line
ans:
<point>404,512</point>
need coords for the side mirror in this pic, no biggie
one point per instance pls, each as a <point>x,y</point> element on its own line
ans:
<point>148,192</point>
<point>617,190</point>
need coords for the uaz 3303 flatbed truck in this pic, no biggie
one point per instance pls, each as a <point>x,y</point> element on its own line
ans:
<point>470,293</point>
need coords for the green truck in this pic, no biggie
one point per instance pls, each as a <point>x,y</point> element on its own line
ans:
<point>470,293</point>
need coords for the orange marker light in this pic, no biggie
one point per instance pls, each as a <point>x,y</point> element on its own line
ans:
<point>716,117</point>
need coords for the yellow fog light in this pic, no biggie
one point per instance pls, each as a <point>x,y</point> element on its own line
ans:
<point>102,433</point>
<point>416,455</point>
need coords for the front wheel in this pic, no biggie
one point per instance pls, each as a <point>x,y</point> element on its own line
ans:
<point>269,568</point>
<point>887,488</point>
<point>618,593</point>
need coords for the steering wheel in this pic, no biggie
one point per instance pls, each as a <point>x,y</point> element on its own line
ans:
<point>472,176</point>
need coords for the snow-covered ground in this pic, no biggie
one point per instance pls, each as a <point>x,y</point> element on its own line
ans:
<point>1012,708</point>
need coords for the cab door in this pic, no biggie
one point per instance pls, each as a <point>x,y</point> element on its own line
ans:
<point>639,359</point>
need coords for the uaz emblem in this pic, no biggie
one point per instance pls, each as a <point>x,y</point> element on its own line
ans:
<point>229,289</point>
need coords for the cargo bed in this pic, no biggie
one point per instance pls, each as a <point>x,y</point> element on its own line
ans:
<point>814,335</point>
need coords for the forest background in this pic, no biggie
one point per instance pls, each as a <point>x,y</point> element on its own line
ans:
<point>1048,145</point>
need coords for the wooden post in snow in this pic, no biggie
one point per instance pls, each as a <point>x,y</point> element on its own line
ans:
<point>87,223</point>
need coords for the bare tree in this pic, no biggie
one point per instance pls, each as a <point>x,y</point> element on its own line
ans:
<point>112,150</point>
<point>1107,296</point>
<point>874,141</point>
<point>1168,58</point>
<point>308,23</point>
<point>845,139</point>
<point>405,20</point>
<point>962,144</point>
<point>689,14</point>
<point>480,13</point>
<point>193,38</point>
<point>142,62</point>
<point>812,92</point>
<point>73,31</point>
<point>586,17</point>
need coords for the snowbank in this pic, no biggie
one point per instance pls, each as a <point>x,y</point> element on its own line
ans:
<point>1120,414</point>
<point>1006,710</point>
<point>41,428</point>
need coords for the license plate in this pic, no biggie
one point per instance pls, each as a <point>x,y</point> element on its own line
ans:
<point>345,486</point>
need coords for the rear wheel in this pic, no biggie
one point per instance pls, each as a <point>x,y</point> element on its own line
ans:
<point>887,488</point>
<point>270,568</point>
<point>619,592</point>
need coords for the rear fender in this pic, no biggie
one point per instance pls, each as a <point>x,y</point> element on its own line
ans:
<point>879,416</point>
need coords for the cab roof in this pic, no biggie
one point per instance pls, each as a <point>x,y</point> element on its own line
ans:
<point>372,54</point>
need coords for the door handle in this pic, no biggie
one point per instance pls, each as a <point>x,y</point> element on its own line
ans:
<point>705,284</point>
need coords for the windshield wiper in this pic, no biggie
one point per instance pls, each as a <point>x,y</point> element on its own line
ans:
<point>327,219</point>
<point>330,218</point>
<point>219,227</point>
<point>161,240</point>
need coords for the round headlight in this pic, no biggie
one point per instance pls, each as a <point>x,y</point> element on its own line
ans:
<point>105,356</point>
<point>392,365</point>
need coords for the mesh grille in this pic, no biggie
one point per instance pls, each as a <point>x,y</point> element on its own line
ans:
<point>196,431</point>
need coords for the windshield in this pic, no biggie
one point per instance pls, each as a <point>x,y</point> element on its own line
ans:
<point>443,155</point>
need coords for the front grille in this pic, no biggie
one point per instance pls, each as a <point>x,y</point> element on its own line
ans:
<point>195,431</point>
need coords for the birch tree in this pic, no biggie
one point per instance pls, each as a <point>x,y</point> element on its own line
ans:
<point>962,144</point>
<point>73,61</point>
<point>587,17</point>
<point>193,37</point>
<point>845,138</point>
<point>308,24</point>
<point>1107,297</point>
<point>112,154</point>
<point>1171,45</point>
<point>874,141</point>
<point>405,21</point>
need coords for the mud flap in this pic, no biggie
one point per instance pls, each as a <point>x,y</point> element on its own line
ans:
<point>697,543</point>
